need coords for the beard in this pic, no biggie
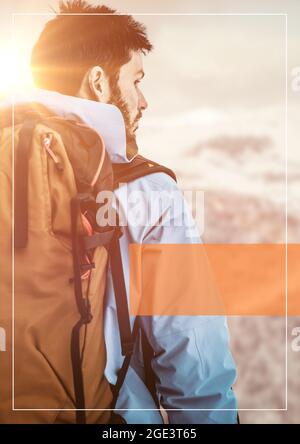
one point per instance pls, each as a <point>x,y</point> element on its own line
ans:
<point>117,100</point>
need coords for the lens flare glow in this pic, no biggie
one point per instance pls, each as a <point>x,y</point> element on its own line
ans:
<point>15,71</point>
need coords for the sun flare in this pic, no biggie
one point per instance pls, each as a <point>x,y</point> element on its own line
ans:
<point>15,71</point>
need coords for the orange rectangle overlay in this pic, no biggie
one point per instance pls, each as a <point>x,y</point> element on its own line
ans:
<point>214,279</point>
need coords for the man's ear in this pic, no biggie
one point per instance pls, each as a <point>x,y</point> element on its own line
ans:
<point>95,85</point>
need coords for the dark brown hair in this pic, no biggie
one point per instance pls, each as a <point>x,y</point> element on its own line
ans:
<point>70,44</point>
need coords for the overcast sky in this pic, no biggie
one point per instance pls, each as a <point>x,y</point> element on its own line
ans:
<point>198,60</point>
<point>207,76</point>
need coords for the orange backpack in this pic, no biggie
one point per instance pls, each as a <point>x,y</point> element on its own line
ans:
<point>53,271</point>
<point>53,367</point>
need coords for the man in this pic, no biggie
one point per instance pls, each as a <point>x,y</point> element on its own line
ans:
<point>99,57</point>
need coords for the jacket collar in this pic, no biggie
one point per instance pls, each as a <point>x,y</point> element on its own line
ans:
<point>105,119</point>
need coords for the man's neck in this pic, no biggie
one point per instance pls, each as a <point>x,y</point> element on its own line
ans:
<point>131,148</point>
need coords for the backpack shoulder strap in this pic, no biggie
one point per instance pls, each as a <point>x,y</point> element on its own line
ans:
<point>117,272</point>
<point>138,167</point>
<point>127,336</point>
<point>125,173</point>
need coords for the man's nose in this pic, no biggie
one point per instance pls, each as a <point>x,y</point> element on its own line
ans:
<point>142,102</point>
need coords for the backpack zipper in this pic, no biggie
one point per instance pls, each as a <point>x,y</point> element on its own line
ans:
<point>101,161</point>
<point>47,140</point>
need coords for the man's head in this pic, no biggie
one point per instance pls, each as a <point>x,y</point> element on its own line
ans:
<point>96,56</point>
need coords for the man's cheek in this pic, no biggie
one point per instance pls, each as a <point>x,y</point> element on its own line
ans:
<point>132,107</point>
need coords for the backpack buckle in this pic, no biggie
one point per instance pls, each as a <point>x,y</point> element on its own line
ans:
<point>127,348</point>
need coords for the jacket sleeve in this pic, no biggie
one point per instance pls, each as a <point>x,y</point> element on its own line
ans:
<point>192,363</point>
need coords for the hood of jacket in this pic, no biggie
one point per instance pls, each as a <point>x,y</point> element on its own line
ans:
<point>106,119</point>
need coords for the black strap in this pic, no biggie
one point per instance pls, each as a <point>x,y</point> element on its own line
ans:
<point>21,184</point>
<point>127,337</point>
<point>120,295</point>
<point>84,309</point>
<point>138,167</point>
<point>82,303</point>
<point>124,173</point>
<point>123,370</point>
<point>77,373</point>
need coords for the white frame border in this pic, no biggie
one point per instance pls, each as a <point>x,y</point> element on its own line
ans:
<point>13,15</point>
